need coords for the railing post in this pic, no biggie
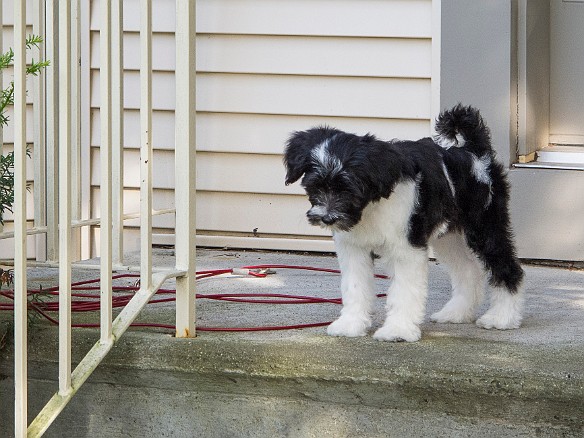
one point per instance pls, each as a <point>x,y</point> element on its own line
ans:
<point>75,94</point>
<point>1,82</point>
<point>40,177</point>
<point>146,144</point>
<point>64,197</point>
<point>20,288</point>
<point>105,152</point>
<point>52,128</point>
<point>185,170</point>
<point>85,128</point>
<point>117,92</point>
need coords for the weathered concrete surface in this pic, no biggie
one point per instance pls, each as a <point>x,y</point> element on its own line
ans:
<point>459,380</point>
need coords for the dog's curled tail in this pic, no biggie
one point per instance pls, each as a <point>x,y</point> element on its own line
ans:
<point>463,126</point>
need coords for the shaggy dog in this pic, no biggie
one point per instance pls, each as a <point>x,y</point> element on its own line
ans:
<point>392,200</point>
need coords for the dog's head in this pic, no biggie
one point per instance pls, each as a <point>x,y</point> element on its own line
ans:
<point>341,173</point>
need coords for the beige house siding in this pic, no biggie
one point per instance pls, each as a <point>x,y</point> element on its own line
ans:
<point>265,69</point>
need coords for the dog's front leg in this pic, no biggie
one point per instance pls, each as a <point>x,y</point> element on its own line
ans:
<point>357,288</point>
<point>406,298</point>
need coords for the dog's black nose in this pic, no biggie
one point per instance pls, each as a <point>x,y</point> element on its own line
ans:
<point>328,220</point>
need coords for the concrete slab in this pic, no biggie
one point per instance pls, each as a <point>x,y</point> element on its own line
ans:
<point>457,378</point>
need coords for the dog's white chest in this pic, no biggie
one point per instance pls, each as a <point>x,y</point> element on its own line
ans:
<point>384,224</point>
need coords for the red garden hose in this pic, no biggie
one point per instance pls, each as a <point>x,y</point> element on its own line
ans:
<point>85,301</point>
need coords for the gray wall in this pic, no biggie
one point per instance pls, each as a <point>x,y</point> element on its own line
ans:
<point>479,67</point>
<point>476,63</point>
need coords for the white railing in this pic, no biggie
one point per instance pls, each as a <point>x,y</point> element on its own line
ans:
<point>57,96</point>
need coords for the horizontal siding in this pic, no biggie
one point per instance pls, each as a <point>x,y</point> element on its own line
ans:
<point>272,214</point>
<point>162,129</point>
<point>283,94</point>
<point>163,15</point>
<point>8,12</point>
<point>255,54</point>
<point>371,18</point>
<point>8,130</point>
<point>161,199</point>
<point>343,56</point>
<point>163,86</point>
<point>8,218</point>
<point>265,133</point>
<point>375,18</point>
<point>162,46</point>
<point>212,168</point>
<point>162,162</point>
<point>248,173</point>
<point>9,147</point>
<point>253,133</point>
<point>317,96</point>
<point>8,40</point>
<point>267,68</point>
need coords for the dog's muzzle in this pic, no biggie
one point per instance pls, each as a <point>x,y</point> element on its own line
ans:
<point>321,217</point>
<point>318,215</point>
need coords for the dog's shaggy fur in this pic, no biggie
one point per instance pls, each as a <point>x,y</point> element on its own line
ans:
<point>392,200</point>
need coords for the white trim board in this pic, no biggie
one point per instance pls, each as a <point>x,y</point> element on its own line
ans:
<point>271,243</point>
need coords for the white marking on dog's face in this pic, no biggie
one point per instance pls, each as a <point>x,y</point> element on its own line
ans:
<point>326,162</point>
<point>315,215</point>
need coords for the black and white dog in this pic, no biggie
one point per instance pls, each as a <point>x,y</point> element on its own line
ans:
<point>392,200</point>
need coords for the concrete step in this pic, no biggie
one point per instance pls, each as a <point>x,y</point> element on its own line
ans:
<point>459,380</point>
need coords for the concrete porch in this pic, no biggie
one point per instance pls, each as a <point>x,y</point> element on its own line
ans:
<point>459,380</point>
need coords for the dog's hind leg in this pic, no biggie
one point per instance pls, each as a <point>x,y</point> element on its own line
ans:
<point>467,276</point>
<point>406,297</point>
<point>495,248</point>
<point>357,288</point>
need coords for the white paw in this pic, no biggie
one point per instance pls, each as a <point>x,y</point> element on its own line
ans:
<point>505,321</point>
<point>505,312</point>
<point>408,332</point>
<point>451,314</point>
<point>349,326</point>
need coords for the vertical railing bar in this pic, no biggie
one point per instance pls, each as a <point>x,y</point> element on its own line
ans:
<point>52,128</point>
<point>1,85</point>
<point>105,152</point>
<point>20,288</point>
<point>146,144</point>
<point>117,91</point>
<point>64,197</point>
<point>75,127</point>
<point>40,182</point>
<point>185,170</point>
<point>85,130</point>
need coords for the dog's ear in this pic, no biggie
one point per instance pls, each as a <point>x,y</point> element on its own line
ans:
<point>297,155</point>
